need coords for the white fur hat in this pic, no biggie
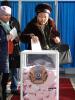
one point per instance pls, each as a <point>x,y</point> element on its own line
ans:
<point>5,10</point>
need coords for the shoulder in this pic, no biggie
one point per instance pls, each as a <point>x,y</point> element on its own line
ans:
<point>51,21</point>
<point>2,31</point>
<point>14,21</point>
<point>1,28</point>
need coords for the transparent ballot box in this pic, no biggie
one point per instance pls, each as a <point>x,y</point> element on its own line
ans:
<point>40,75</point>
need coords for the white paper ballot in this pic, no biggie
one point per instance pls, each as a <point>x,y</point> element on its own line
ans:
<point>14,34</point>
<point>35,46</point>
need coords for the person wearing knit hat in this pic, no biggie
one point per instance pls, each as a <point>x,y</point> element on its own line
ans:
<point>5,15</point>
<point>42,28</point>
<point>9,31</point>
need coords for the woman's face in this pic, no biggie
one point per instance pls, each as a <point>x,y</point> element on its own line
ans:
<point>42,18</point>
<point>5,18</point>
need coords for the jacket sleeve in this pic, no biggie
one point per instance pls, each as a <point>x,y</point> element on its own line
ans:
<point>53,30</point>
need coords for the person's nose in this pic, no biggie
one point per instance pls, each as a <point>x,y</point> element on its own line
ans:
<point>8,17</point>
<point>43,19</point>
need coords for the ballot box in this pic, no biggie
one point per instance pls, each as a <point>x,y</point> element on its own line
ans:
<point>40,75</point>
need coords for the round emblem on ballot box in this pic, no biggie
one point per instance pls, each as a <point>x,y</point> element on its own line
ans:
<point>38,74</point>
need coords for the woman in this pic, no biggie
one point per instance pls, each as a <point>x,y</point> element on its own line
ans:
<point>5,14</point>
<point>42,28</point>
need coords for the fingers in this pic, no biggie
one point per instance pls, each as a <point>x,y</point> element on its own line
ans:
<point>9,37</point>
<point>34,39</point>
<point>57,40</point>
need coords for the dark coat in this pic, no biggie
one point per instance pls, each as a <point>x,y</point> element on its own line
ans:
<point>45,37</point>
<point>14,23</point>
<point>14,59</point>
<point>3,51</point>
<point>5,59</point>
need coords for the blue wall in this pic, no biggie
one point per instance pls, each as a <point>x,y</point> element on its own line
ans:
<point>66,25</point>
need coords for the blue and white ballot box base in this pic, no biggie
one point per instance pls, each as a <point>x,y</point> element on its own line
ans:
<point>39,75</point>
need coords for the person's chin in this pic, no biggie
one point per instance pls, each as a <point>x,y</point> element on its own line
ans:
<point>42,23</point>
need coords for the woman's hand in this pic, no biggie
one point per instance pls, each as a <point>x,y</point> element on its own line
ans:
<point>34,38</point>
<point>9,37</point>
<point>56,40</point>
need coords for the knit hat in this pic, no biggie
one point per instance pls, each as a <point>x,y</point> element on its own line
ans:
<point>43,8</point>
<point>5,10</point>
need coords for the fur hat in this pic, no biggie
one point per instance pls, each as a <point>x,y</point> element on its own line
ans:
<point>43,8</point>
<point>5,10</point>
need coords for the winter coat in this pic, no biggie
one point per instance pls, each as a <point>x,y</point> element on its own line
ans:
<point>3,52</point>
<point>6,60</point>
<point>14,59</point>
<point>45,36</point>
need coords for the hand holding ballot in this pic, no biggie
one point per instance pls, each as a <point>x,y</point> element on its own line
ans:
<point>35,43</point>
<point>9,37</point>
<point>13,33</point>
<point>34,39</point>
